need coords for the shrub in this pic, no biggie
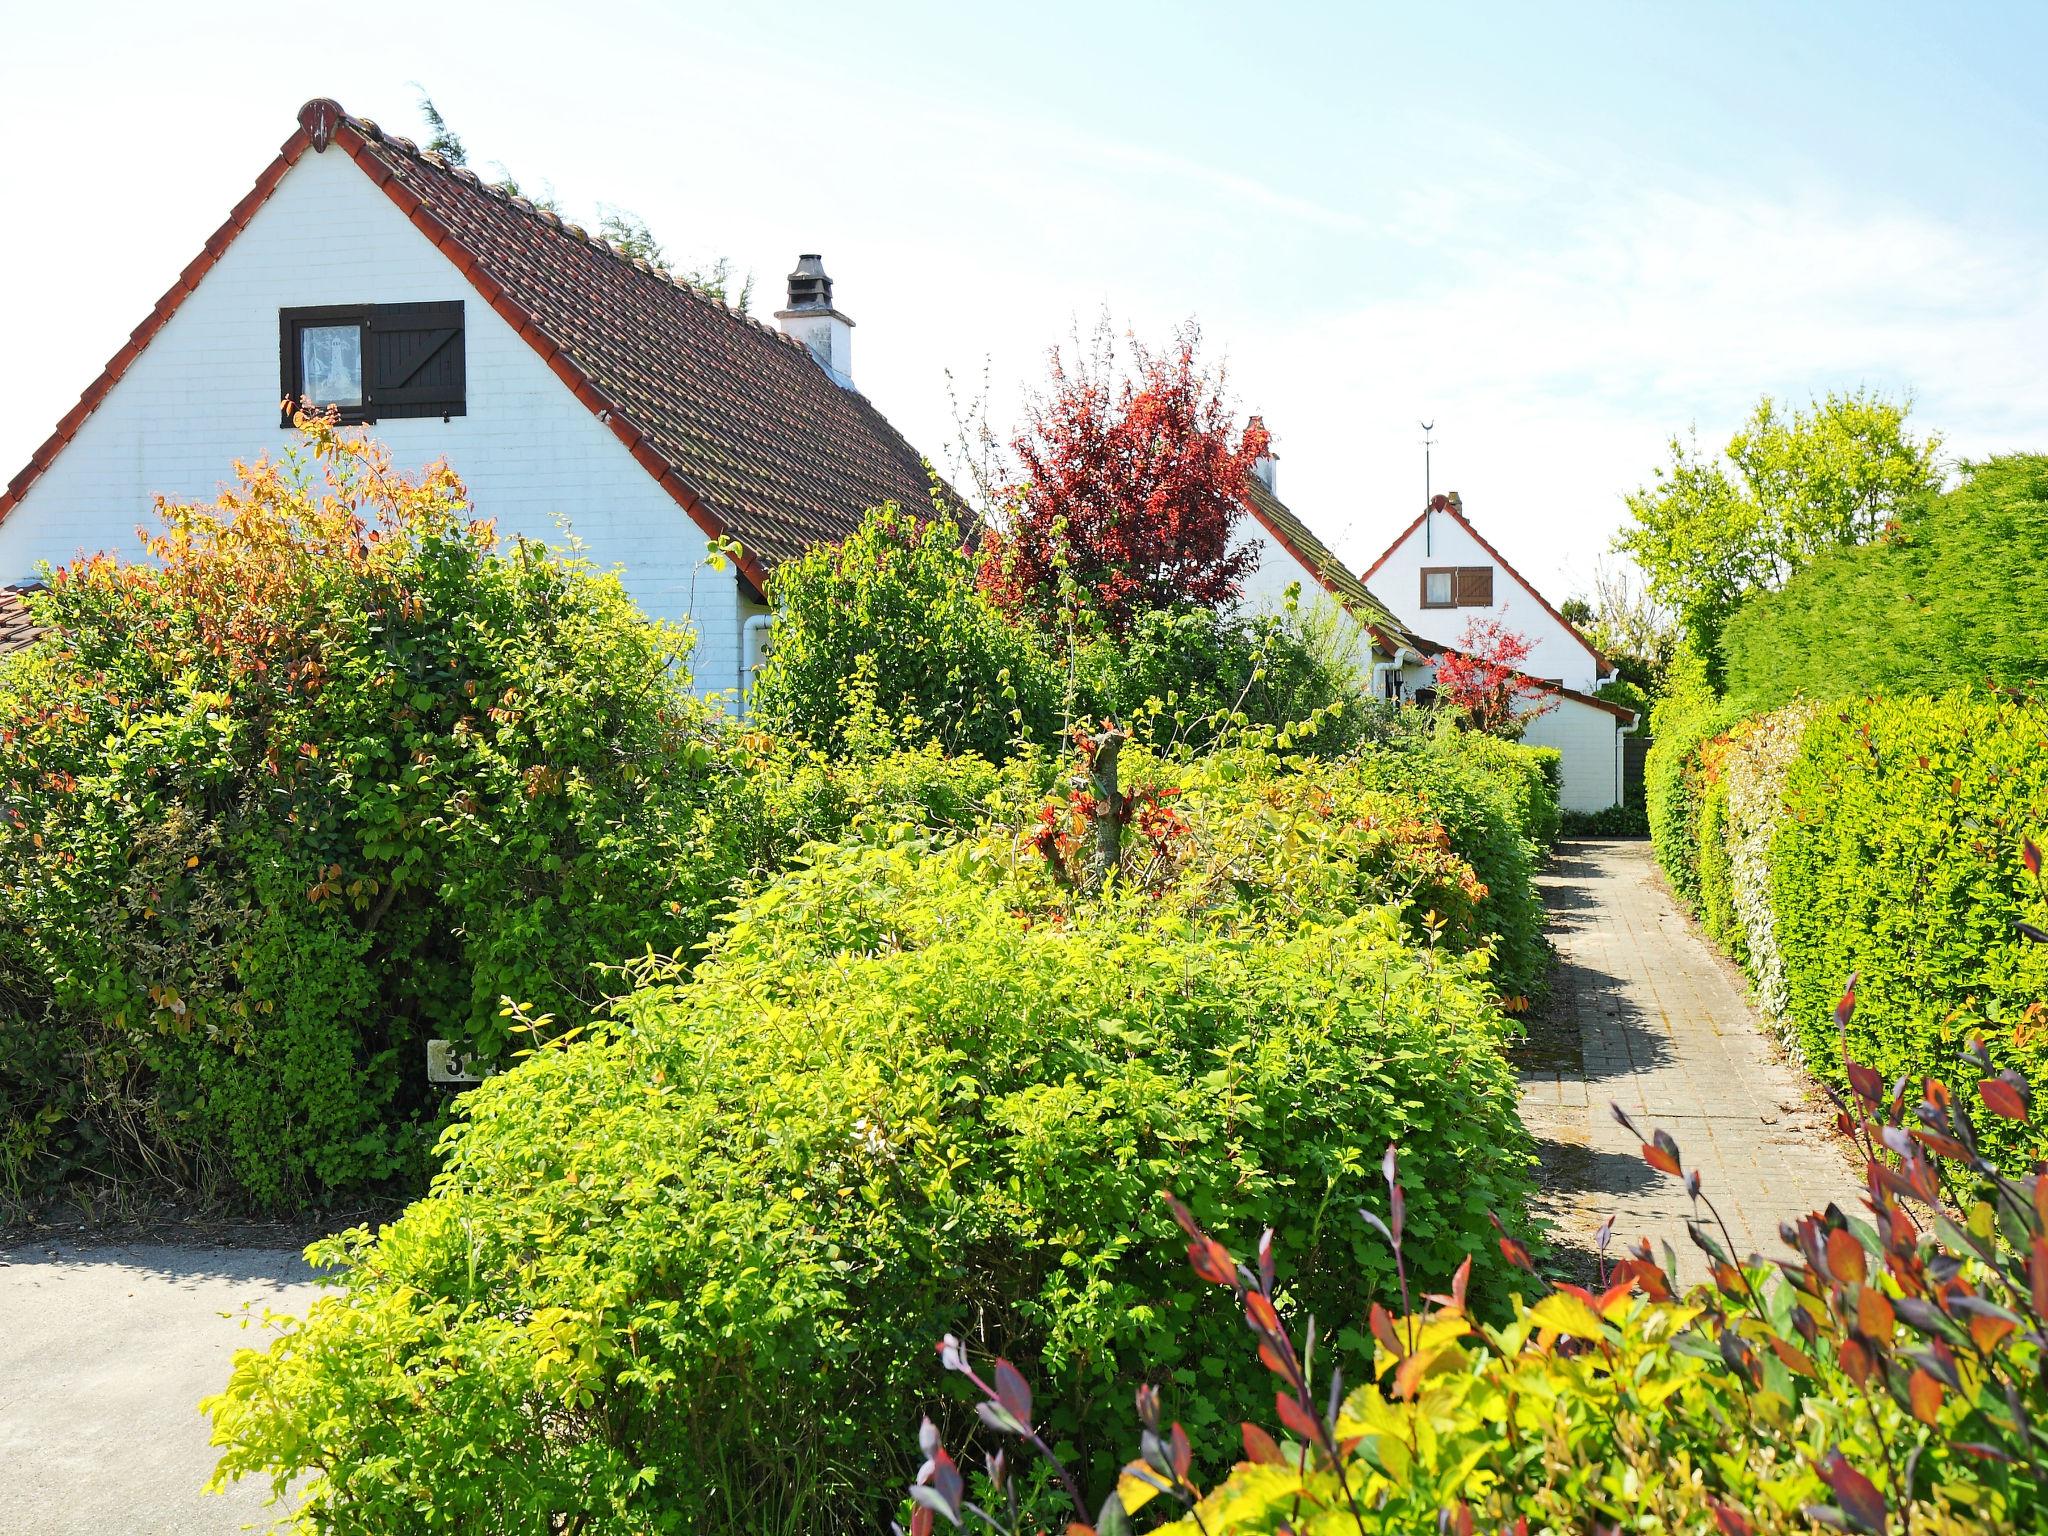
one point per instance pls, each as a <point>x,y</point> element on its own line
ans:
<point>1183,677</point>
<point>1759,755</point>
<point>1615,821</point>
<point>1899,861</point>
<point>885,637</point>
<point>1882,1369</point>
<point>683,1275</point>
<point>332,776</point>
<point>1532,776</point>
<point>1485,820</point>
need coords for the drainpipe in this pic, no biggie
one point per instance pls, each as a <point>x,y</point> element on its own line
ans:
<point>1621,752</point>
<point>1381,669</point>
<point>753,643</point>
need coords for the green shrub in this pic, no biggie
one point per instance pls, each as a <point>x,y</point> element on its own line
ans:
<point>1948,600</point>
<point>685,1275</point>
<point>331,776</point>
<point>1755,760</point>
<point>1615,821</point>
<point>1532,776</point>
<point>1182,677</point>
<point>1899,862</point>
<point>886,637</point>
<point>1880,1371</point>
<point>1485,817</point>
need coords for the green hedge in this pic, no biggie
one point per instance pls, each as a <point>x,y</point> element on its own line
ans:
<point>1950,599</point>
<point>1880,839</point>
<point>687,1275</point>
<point>1898,860</point>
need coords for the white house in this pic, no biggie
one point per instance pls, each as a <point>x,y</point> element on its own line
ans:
<point>562,380</point>
<point>1440,574</point>
<point>1391,659</point>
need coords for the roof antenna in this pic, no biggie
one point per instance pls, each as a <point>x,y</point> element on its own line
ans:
<point>1427,428</point>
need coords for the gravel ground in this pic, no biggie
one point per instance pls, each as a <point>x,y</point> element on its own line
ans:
<point>105,1351</point>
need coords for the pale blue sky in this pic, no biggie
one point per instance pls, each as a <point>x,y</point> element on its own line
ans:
<point>1562,231</point>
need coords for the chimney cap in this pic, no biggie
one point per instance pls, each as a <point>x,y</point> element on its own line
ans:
<point>809,287</point>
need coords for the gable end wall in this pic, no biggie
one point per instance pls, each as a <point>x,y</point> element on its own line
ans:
<point>204,393</point>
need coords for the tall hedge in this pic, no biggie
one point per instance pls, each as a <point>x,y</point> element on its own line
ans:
<point>1880,839</point>
<point>1951,598</point>
<point>1899,861</point>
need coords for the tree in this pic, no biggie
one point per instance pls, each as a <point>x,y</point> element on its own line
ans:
<point>1132,485</point>
<point>885,637</point>
<point>1709,530</point>
<point>1626,624</point>
<point>1482,679</point>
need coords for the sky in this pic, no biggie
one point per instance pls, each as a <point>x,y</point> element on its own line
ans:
<point>1561,233</point>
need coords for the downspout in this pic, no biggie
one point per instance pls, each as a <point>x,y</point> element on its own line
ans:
<point>1621,754</point>
<point>1380,670</point>
<point>753,642</point>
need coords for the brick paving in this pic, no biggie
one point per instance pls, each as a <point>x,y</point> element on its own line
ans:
<point>1644,1013</point>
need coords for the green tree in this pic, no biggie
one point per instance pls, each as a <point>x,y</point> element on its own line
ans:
<point>1710,529</point>
<point>886,637</point>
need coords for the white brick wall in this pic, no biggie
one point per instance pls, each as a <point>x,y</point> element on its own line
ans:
<point>205,392</point>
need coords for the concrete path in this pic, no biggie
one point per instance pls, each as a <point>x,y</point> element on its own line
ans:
<point>104,1355</point>
<point>1645,1013</point>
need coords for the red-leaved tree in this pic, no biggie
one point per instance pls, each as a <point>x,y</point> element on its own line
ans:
<point>1483,679</point>
<point>1131,484</point>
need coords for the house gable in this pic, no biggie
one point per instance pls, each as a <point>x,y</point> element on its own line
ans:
<point>203,392</point>
<point>1443,546</point>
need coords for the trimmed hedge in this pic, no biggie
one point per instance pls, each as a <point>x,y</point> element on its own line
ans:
<point>1880,839</point>
<point>1950,599</point>
<point>686,1275</point>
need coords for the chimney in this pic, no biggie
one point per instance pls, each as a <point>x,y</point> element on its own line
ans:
<point>1267,466</point>
<point>812,320</point>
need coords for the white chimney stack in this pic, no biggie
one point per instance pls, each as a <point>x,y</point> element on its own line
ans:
<point>812,320</point>
<point>1267,465</point>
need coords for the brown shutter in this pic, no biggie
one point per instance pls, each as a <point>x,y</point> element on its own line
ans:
<point>1474,586</point>
<point>413,363</point>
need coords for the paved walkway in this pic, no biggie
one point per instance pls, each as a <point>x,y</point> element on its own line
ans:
<point>1645,1014</point>
<point>104,1355</point>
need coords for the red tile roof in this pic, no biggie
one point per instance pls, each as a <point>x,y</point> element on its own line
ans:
<point>736,421</point>
<point>1300,541</point>
<point>17,629</point>
<point>1599,661</point>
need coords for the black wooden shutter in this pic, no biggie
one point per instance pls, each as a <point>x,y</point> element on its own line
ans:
<point>414,363</point>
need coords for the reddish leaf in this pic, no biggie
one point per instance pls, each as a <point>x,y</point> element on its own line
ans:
<point>1382,1323</point>
<point>1867,1081</point>
<point>1661,1160</point>
<point>2002,1098</point>
<point>2037,1275</point>
<point>1295,1416</point>
<point>2030,855</point>
<point>1855,1493</point>
<point>1259,1447</point>
<point>1183,1453</point>
<point>1846,1008</point>
<point>1846,1260</point>
<point>1013,1392</point>
<point>1874,1314</point>
<point>1925,1393</point>
<point>1728,1520</point>
<point>1211,1261</point>
<point>1260,1314</point>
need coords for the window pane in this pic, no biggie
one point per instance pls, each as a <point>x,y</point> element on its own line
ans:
<point>331,364</point>
<point>1436,588</point>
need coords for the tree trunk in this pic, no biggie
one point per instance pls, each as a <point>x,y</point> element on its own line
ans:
<point>1106,852</point>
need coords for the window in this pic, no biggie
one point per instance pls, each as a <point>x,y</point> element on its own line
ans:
<point>1458,586</point>
<point>374,361</point>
